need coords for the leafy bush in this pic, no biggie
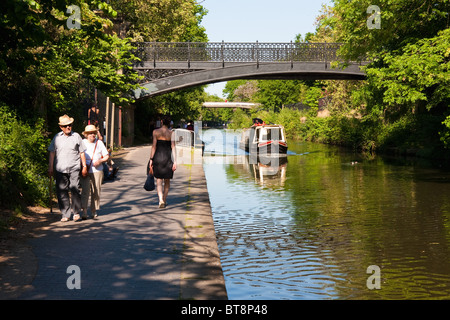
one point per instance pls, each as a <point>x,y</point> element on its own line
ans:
<point>240,120</point>
<point>417,133</point>
<point>23,165</point>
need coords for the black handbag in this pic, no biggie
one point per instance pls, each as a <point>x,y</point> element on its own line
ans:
<point>149,183</point>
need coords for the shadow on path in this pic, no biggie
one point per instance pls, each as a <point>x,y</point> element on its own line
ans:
<point>134,250</point>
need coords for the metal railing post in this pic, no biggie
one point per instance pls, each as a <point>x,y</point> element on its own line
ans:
<point>154,54</point>
<point>291,53</point>
<point>221,53</point>
<point>257,55</point>
<point>189,55</point>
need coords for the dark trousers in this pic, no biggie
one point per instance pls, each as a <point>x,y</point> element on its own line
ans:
<point>65,183</point>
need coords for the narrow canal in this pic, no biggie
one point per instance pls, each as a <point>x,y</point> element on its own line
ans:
<point>310,227</point>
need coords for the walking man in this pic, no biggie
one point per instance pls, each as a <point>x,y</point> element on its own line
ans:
<point>66,151</point>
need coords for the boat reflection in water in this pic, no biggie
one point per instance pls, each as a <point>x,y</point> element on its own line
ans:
<point>267,166</point>
<point>266,171</point>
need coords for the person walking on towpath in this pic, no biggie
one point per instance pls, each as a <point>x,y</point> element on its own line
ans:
<point>66,151</point>
<point>96,154</point>
<point>163,160</point>
<point>93,114</point>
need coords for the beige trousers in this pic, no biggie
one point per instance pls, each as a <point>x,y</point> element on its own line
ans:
<point>91,185</point>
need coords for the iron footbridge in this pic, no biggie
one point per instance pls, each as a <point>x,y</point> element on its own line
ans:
<point>170,66</point>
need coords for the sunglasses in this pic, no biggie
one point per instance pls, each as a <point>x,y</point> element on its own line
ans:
<point>67,125</point>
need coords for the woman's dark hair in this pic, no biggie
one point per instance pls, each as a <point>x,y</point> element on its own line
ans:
<point>166,121</point>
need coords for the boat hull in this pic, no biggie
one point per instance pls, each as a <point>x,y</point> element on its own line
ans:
<point>273,148</point>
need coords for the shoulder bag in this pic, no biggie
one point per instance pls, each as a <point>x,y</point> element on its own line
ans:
<point>92,160</point>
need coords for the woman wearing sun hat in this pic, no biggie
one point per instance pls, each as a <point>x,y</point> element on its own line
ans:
<point>96,154</point>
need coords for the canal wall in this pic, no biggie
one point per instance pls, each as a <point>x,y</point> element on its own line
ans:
<point>202,276</point>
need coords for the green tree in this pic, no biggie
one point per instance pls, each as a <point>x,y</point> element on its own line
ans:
<point>406,88</point>
<point>46,67</point>
<point>163,20</point>
<point>419,74</point>
<point>402,22</point>
<point>231,87</point>
<point>54,61</point>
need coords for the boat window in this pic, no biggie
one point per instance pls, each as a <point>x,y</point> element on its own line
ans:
<point>271,134</point>
<point>256,137</point>
<point>264,133</point>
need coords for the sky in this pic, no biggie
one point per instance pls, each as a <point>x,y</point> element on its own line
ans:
<point>258,20</point>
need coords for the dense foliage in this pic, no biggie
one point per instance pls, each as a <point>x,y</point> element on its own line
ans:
<point>162,20</point>
<point>23,176</point>
<point>403,105</point>
<point>54,53</point>
<point>47,68</point>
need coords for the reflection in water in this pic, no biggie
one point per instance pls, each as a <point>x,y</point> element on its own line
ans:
<point>271,172</point>
<point>311,226</point>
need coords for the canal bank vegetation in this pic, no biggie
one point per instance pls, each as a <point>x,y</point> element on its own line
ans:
<point>402,107</point>
<point>48,66</point>
<point>51,61</point>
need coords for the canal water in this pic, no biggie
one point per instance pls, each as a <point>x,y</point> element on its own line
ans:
<point>327,224</point>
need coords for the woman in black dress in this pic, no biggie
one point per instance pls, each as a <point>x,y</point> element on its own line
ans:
<point>163,160</point>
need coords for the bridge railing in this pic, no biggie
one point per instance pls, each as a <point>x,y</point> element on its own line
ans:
<point>236,52</point>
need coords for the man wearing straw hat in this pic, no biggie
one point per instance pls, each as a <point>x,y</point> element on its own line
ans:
<point>66,151</point>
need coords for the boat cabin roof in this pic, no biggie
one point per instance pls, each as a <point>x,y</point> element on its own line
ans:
<point>267,126</point>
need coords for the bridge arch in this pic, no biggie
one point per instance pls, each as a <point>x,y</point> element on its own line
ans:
<point>168,67</point>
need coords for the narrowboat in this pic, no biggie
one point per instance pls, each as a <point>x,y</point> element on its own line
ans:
<point>264,139</point>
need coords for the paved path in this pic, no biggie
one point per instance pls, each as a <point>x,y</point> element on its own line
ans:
<point>134,250</point>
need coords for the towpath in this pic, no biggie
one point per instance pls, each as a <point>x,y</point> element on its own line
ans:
<point>134,250</point>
